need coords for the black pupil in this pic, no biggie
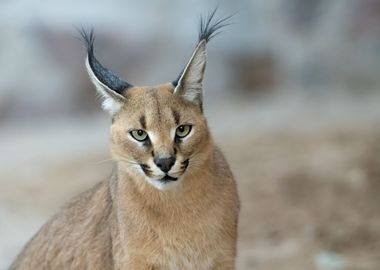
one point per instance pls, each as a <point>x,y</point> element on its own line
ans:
<point>181,129</point>
<point>140,132</point>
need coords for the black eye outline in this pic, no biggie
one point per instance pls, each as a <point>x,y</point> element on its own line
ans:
<point>139,135</point>
<point>182,128</point>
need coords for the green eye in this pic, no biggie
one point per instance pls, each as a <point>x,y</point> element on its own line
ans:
<point>183,130</point>
<point>139,135</point>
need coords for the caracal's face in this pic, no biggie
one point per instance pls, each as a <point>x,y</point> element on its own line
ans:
<point>158,136</point>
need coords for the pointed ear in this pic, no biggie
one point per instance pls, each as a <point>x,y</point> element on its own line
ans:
<point>189,85</point>
<point>112,101</point>
<point>109,86</point>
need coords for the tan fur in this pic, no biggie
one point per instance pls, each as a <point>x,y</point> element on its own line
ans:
<point>126,223</point>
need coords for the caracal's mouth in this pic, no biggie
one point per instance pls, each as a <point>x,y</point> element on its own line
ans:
<point>168,178</point>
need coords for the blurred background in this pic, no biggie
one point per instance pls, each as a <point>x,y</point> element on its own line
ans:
<point>292,94</point>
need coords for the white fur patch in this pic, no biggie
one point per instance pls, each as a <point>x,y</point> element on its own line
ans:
<point>152,137</point>
<point>109,103</point>
<point>162,185</point>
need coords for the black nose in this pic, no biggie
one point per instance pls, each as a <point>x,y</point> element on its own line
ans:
<point>165,164</point>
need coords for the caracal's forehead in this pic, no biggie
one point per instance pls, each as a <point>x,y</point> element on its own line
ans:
<point>156,108</point>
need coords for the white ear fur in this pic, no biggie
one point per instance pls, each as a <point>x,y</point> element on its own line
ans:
<point>189,84</point>
<point>111,100</point>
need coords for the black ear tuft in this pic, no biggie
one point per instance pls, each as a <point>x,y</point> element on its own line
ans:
<point>210,27</point>
<point>104,75</point>
<point>88,39</point>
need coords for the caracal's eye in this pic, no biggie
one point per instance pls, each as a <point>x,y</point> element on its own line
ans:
<point>182,131</point>
<point>139,135</point>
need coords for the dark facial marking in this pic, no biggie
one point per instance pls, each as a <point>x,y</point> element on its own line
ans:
<point>176,117</point>
<point>146,169</point>
<point>158,112</point>
<point>143,122</point>
<point>147,143</point>
<point>185,164</point>
<point>144,165</point>
<point>157,106</point>
<point>177,140</point>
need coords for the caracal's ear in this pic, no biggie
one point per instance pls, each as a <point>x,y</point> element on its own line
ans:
<point>188,85</point>
<point>110,87</point>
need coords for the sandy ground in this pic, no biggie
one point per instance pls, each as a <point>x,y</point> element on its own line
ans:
<point>310,201</point>
<point>310,195</point>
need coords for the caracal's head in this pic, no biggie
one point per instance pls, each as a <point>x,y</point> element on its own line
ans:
<point>158,133</point>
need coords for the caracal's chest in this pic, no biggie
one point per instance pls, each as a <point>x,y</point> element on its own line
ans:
<point>187,260</point>
<point>175,250</point>
<point>183,254</point>
<point>192,244</point>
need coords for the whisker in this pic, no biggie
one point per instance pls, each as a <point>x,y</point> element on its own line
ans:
<point>193,163</point>
<point>129,161</point>
<point>101,161</point>
<point>175,172</point>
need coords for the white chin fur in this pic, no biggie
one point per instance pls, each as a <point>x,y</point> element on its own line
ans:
<point>162,185</point>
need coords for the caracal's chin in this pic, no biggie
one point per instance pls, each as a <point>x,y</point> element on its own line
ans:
<point>163,185</point>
